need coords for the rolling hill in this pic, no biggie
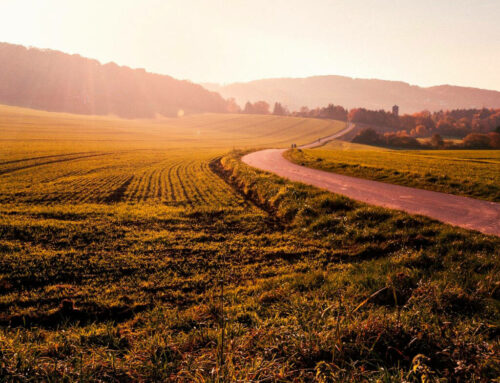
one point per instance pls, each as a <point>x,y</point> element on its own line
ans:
<point>55,81</point>
<point>353,92</point>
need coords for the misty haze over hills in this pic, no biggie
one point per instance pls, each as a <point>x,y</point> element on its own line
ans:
<point>350,93</point>
<point>55,81</point>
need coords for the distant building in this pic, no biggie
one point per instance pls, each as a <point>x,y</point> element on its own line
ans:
<point>395,110</point>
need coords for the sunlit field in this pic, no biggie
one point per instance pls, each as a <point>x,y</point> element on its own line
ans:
<point>56,158</point>
<point>472,173</point>
<point>145,250</point>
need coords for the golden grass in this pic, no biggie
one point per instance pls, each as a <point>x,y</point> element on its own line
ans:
<point>52,158</point>
<point>115,236</point>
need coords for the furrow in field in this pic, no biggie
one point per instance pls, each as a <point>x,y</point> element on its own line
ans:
<point>170,197</point>
<point>6,171</point>
<point>118,194</point>
<point>185,197</point>
<point>43,157</point>
<point>194,178</point>
<point>179,196</point>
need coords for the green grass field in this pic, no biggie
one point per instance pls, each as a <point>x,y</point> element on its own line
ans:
<point>471,173</point>
<point>115,237</point>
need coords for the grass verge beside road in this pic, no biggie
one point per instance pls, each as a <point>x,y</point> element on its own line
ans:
<point>470,173</point>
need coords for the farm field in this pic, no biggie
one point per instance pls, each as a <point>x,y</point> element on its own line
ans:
<point>116,237</point>
<point>51,158</point>
<point>471,173</point>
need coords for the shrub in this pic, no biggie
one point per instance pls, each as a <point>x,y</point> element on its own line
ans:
<point>368,136</point>
<point>437,141</point>
<point>494,140</point>
<point>477,141</point>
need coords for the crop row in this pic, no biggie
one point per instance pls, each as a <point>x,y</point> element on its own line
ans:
<point>120,177</point>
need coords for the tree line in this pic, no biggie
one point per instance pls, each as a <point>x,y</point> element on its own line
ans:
<point>334,112</point>
<point>478,128</point>
<point>401,139</point>
<point>56,81</point>
<point>456,123</point>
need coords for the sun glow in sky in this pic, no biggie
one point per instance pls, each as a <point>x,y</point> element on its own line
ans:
<point>425,42</point>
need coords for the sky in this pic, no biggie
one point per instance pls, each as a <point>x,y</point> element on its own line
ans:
<point>425,42</point>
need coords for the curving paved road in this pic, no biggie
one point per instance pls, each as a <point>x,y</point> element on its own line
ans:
<point>469,213</point>
<point>321,141</point>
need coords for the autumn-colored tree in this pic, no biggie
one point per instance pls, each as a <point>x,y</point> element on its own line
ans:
<point>451,123</point>
<point>444,126</point>
<point>421,131</point>
<point>402,133</point>
<point>477,141</point>
<point>494,140</point>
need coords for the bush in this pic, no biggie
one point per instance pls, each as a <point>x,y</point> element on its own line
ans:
<point>477,141</point>
<point>401,141</point>
<point>437,141</point>
<point>494,140</point>
<point>368,136</point>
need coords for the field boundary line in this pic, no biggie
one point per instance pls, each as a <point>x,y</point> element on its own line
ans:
<point>217,168</point>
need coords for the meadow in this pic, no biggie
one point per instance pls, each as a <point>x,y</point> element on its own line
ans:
<point>145,250</point>
<point>470,173</point>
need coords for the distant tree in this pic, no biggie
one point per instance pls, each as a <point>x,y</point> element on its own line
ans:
<point>400,140</point>
<point>232,106</point>
<point>374,117</point>
<point>261,107</point>
<point>248,108</point>
<point>450,123</point>
<point>304,111</point>
<point>494,140</point>
<point>437,141</point>
<point>368,136</point>
<point>477,141</point>
<point>402,133</point>
<point>334,112</point>
<point>444,127</point>
<point>421,130</point>
<point>279,110</point>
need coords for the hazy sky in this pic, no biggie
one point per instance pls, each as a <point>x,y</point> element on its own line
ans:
<point>424,42</point>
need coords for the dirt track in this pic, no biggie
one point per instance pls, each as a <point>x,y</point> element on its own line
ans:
<point>465,212</point>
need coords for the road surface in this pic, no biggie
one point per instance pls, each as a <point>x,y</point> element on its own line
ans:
<point>321,141</point>
<point>469,213</point>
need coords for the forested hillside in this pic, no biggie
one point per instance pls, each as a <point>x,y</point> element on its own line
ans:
<point>55,81</point>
